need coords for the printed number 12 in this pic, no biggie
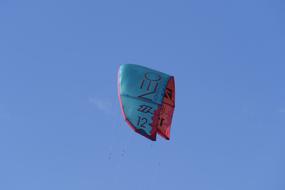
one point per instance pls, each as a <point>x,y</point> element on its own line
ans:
<point>141,122</point>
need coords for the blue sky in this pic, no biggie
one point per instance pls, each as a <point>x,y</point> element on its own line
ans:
<point>60,121</point>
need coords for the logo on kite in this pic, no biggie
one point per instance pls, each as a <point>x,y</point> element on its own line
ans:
<point>147,99</point>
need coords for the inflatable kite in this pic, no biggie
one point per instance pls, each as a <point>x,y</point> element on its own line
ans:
<point>147,99</point>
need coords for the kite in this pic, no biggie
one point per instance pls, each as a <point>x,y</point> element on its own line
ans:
<point>147,99</point>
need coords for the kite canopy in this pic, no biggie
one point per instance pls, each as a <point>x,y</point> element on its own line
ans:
<point>147,99</point>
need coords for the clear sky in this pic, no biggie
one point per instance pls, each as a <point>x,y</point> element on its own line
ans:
<point>60,121</point>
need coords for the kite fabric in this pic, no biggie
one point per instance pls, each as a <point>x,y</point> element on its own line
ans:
<point>147,99</point>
